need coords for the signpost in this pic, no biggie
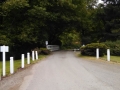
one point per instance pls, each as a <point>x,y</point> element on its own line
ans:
<point>4,49</point>
<point>46,42</point>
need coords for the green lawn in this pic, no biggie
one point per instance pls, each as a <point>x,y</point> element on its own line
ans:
<point>112,58</point>
<point>17,64</point>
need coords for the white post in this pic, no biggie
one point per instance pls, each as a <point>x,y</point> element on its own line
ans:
<point>0,74</point>
<point>4,49</point>
<point>28,58</point>
<point>97,53</point>
<point>4,62</point>
<point>46,42</point>
<point>36,55</point>
<point>108,54</point>
<point>22,61</point>
<point>33,56</point>
<point>11,65</point>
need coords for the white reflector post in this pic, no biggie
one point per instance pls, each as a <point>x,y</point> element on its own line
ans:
<point>33,56</point>
<point>28,58</point>
<point>36,55</point>
<point>22,61</point>
<point>11,65</point>
<point>97,53</point>
<point>108,54</point>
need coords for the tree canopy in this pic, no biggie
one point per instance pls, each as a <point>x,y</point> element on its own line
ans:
<point>26,24</point>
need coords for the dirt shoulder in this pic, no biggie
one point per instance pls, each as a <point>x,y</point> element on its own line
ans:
<point>14,81</point>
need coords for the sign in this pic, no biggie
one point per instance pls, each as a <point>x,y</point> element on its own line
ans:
<point>4,49</point>
<point>46,42</point>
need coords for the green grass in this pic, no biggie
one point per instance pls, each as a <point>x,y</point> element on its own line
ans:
<point>112,58</point>
<point>17,64</point>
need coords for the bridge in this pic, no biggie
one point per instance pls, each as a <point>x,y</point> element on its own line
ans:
<point>53,47</point>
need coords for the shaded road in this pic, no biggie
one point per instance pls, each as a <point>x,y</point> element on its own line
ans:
<point>64,71</point>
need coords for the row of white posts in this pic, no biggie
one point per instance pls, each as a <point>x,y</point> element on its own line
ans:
<point>108,54</point>
<point>34,56</point>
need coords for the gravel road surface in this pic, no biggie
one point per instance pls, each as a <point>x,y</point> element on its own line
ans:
<point>64,71</point>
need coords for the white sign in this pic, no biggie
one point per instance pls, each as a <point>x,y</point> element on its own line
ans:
<point>4,49</point>
<point>46,42</point>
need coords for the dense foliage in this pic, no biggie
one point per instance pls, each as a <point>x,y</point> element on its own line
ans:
<point>27,24</point>
<point>90,49</point>
<point>70,39</point>
<point>114,47</point>
<point>45,51</point>
<point>109,15</point>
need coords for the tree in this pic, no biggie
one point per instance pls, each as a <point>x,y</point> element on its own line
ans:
<point>22,25</point>
<point>70,39</point>
<point>62,16</point>
<point>111,19</point>
<point>29,23</point>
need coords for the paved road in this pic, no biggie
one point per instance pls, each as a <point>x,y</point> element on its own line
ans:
<point>64,71</point>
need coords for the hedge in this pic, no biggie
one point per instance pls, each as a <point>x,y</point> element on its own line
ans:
<point>90,49</point>
<point>45,51</point>
<point>114,47</point>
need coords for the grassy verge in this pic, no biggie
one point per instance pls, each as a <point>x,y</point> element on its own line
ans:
<point>17,64</point>
<point>112,58</point>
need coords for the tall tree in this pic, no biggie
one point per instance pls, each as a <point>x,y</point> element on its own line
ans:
<point>112,19</point>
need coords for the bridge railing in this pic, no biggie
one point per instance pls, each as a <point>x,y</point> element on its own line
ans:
<point>53,47</point>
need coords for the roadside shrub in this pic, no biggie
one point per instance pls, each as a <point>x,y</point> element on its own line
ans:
<point>38,50</point>
<point>45,51</point>
<point>90,49</point>
<point>114,47</point>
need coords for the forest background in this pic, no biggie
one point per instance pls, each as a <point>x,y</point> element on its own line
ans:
<point>27,24</point>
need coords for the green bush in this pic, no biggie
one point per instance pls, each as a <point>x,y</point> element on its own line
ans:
<point>90,49</point>
<point>114,47</point>
<point>38,50</point>
<point>45,51</point>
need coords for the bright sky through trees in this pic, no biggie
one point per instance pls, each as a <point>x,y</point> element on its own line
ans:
<point>100,1</point>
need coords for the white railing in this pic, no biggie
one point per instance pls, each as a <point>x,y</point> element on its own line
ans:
<point>53,47</point>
